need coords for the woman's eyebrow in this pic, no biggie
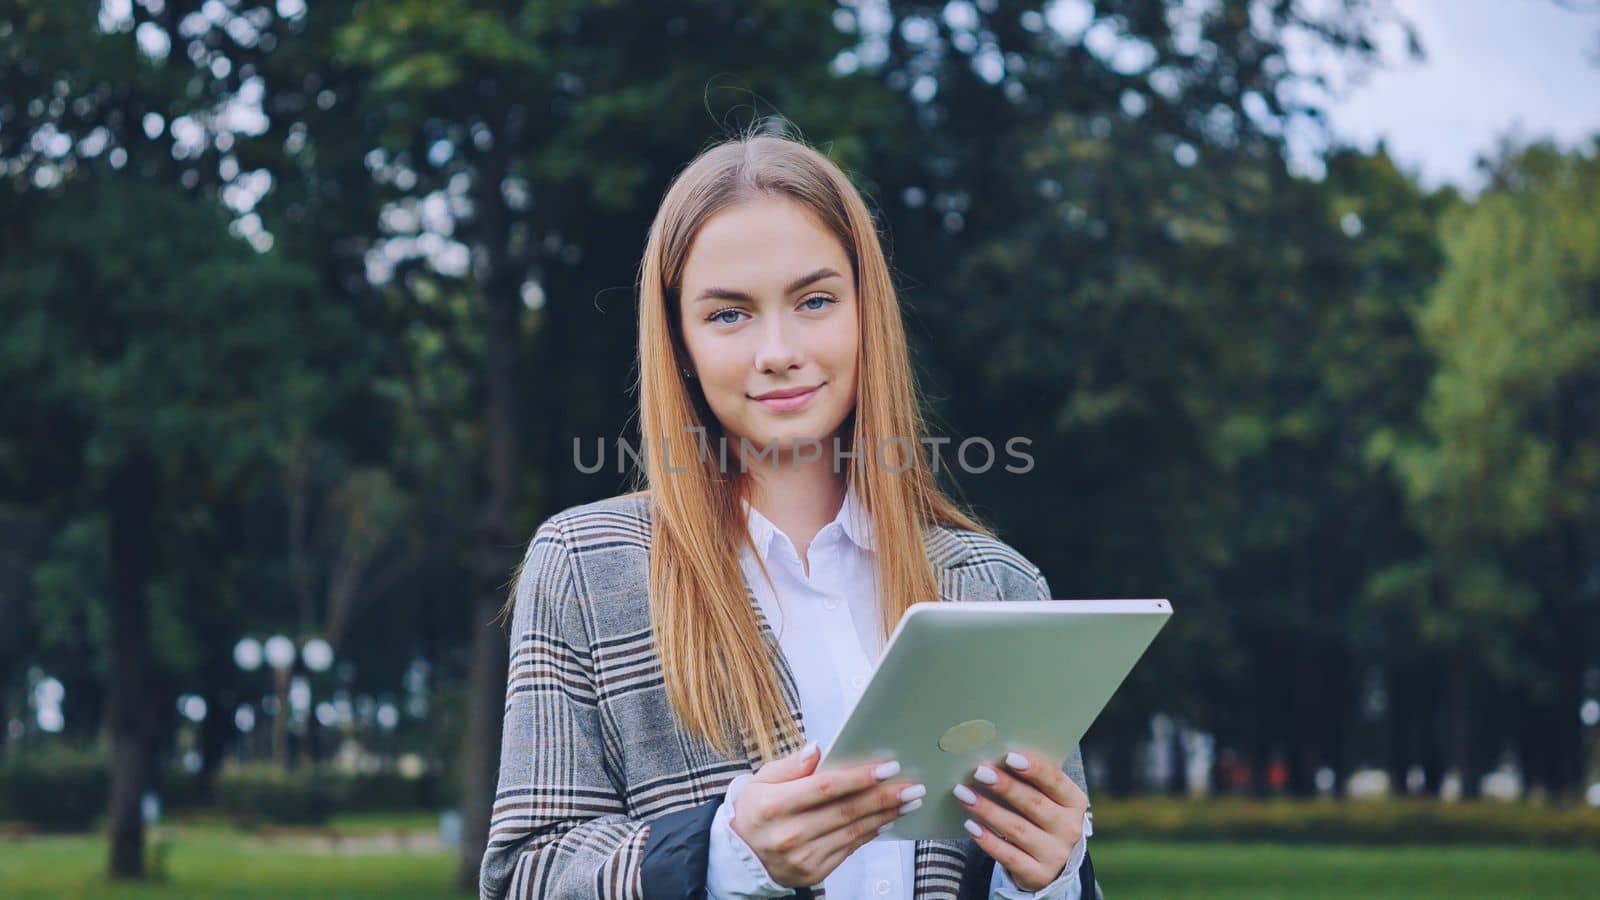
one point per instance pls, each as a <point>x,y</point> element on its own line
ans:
<point>717,293</point>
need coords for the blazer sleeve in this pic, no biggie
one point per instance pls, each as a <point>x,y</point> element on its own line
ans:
<point>677,854</point>
<point>559,827</point>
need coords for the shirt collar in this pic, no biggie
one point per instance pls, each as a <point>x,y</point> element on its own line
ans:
<point>856,520</point>
<point>853,519</point>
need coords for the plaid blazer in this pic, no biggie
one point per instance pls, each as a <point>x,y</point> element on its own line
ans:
<point>601,794</point>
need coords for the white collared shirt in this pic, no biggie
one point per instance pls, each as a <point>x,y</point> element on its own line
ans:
<point>827,627</point>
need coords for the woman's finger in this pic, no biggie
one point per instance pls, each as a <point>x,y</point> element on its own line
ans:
<point>1009,826</point>
<point>1032,804</point>
<point>1022,866</point>
<point>838,823</point>
<point>859,833</point>
<point>1028,766</point>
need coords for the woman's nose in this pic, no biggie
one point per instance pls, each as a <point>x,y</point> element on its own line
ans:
<point>777,350</point>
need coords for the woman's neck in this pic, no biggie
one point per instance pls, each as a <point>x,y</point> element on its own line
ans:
<point>798,500</point>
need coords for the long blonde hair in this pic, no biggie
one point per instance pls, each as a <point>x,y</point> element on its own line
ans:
<point>720,674</point>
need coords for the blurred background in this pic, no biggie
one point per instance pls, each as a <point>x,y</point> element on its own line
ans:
<point>303,307</point>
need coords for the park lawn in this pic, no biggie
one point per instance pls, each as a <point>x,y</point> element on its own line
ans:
<point>216,862</point>
<point>1139,870</point>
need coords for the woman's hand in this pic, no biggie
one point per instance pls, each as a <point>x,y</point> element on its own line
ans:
<point>1031,833</point>
<point>803,825</point>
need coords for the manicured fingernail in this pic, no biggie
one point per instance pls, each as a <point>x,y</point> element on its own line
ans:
<point>972,828</point>
<point>915,804</point>
<point>808,749</point>
<point>987,775</point>
<point>965,794</point>
<point>913,792</point>
<point>1017,761</point>
<point>887,770</point>
<point>885,827</point>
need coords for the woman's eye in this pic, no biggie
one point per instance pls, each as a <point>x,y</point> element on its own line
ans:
<point>729,315</point>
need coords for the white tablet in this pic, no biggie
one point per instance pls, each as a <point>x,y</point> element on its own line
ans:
<point>959,684</point>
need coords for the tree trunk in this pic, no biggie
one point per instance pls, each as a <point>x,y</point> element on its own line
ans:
<point>1304,709</point>
<point>1572,653</point>
<point>1463,749</point>
<point>486,677</point>
<point>130,497</point>
<point>486,687</point>
<point>280,719</point>
<point>1565,741</point>
<point>1178,776</point>
<point>1260,761</point>
<point>1430,725</point>
<point>1400,728</point>
<point>215,733</point>
<point>1119,746</point>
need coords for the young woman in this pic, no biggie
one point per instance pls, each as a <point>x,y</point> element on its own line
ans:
<point>654,719</point>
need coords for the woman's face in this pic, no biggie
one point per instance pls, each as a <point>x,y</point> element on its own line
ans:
<point>769,304</point>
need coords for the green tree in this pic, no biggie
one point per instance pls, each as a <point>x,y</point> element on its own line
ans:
<point>1503,476</point>
<point>184,358</point>
<point>160,363</point>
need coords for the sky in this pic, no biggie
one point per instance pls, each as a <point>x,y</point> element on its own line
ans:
<point>1491,65</point>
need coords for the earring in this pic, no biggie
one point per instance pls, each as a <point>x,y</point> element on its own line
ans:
<point>687,374</point>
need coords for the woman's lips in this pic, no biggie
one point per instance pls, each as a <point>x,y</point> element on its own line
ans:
<point>789,404</point>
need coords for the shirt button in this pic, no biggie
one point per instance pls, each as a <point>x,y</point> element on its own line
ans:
<point>883,886</point>
<point>856,682</point>
<point>830,603</point>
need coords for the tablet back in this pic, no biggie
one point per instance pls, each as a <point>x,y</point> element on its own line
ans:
<point>961,684</point>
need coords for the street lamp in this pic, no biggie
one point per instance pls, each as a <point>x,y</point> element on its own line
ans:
<point>318,655</point>
<point>280,652</point>
<point>247,654</point>
<point>280,656</point>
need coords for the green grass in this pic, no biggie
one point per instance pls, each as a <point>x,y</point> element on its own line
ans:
<point>1137,870</point>
<point>213,861</point>
<point>1374,822</point>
